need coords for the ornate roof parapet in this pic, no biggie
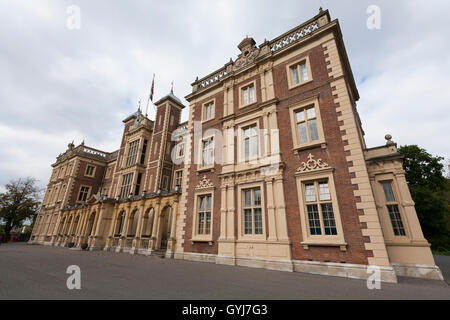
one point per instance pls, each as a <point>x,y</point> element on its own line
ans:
<point>84,151</point>
<point>250,53</point>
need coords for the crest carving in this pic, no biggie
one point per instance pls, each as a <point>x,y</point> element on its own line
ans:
<point>204,184</point>
<point>312,164</point>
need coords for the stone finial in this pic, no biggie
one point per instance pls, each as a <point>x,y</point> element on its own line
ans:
<point>71,145</point>
<point>320,10</point>
<point>389,141</point>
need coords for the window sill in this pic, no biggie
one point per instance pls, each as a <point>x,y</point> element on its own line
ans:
<point>206,121</point>
<point>202,240</point>
<point>205,169</point>
<point>300,84</point>
<point>320,143</point>
<point>248,104</point>
<point>324,243</point>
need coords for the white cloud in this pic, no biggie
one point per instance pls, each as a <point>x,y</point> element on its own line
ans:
<point>57,85</point>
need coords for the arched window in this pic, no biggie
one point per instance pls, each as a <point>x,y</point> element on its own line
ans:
<point>91,223</point>
<point>134,221</point>
<point>147,223</point>
<point>119,224</point>
<point>75,225</point>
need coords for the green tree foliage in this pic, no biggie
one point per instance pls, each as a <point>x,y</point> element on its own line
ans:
<point>19,203</point>
<point>430,192</point>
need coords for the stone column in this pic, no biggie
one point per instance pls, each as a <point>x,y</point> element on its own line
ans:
<point>138,235</point>
<point>112,228</point>
<point>223,213</point>
<point>70,228</point>
<point>173,230</point>
<point>280,207</point>
<point>81,223</point>
<point>155,227</point>
<point>271,211</point>
<point>97,237</point>
<point>124,234</point>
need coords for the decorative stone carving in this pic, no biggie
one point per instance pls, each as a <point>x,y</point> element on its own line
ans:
<point>249,53</point>
<point>311,164</point>
<point>204,184</point>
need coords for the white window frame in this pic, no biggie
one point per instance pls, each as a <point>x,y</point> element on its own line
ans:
<point>175,178</point>
<point>202,237</point>
<point>200,165</point>
<point>385,220</point>
<point>93,172</point>
<point>213,113</point>
<point>241,225</point>
<point>297,63</point>
<point>242,88</point>
<point>293,109</point>
<point>88,193</point>
<point>241,139</point>
<point>319,240</point>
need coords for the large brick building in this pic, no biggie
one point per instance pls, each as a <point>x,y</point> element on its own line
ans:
<point>271,171</point>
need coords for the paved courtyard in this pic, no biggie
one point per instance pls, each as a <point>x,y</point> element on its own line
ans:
<point>39,272</point>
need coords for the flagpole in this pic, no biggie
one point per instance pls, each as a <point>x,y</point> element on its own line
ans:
<point>150,97</point>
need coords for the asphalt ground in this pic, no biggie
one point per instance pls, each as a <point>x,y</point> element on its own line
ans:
<point>39,272</point>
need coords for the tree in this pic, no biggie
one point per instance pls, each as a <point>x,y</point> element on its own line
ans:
<point>430,192</point>
<point>19,203</point>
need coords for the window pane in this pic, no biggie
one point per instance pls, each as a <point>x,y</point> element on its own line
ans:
<point>300,116</point>
<point>246,148</point>
<point>252,93</point>
<point>329,222</point>
<point>257,197</point>
<point>258,222</point>
<point>254,146</point>
<point>396,220</point>
<point>388,192</point>
<point>302,132</point>
<point>314,220</point>
<point>311,113</point>
<point>304,72</point>
<point>310,193</point>
<point>246,132</point>
<point>208,203</point>
<point>202,204</point>
<point>245,96</point>
<point>201,221</point>
<point>295,77</point>
<point>313,130</point>
<point>247,198</point>
<point>208,223</point>
<point>324,191</point>
<point>248,221</point>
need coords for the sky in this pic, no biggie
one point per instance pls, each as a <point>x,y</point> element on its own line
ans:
<point>59,83</point>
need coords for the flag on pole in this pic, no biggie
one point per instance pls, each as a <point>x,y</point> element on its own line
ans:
<point>152,89</point>
<point>150,98</point>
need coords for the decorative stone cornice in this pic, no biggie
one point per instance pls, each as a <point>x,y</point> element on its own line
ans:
<point>311,164</point>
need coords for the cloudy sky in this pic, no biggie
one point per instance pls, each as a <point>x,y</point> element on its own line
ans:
<point>58,84</point>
